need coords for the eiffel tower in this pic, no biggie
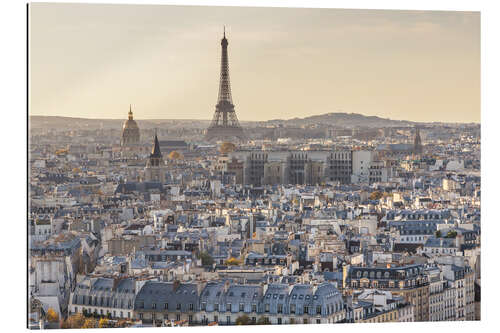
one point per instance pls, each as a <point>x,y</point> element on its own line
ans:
<point>225,125</point>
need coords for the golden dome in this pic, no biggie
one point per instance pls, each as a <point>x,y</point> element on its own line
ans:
<point>130,132</point>
<point>130,124</point>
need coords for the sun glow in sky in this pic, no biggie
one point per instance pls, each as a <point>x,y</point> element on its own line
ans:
<point>93,60</point>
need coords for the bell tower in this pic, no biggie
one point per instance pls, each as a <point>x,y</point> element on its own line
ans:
<point>155,166</point>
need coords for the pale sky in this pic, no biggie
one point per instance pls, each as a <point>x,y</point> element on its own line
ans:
<point>93,60</point>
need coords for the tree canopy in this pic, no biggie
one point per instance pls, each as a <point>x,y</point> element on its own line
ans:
<point>103,323</point>
<point>227,147</point>
<point>74,321</point>
<point>175,155</point>
<point>206,259</point>
<point>52,315</point>
<point>376,195</point>
<point>451,234</point>
<point>233,261</point>
<point>243,320</point>
<point>263,321</point>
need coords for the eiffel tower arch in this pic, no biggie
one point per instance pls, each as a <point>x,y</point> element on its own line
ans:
<point>225,124</point>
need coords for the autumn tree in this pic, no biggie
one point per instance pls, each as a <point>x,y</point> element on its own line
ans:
<point>376,195</point>
<point>175,155</point>
<point>233,261</point>
<point>74,321</point>
<point>52,315</point>
<point>227,147</point>
<point>90,323</point>
<point>103,323</point>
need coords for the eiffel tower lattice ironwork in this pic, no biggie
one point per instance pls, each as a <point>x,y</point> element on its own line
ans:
<point>224,125</point>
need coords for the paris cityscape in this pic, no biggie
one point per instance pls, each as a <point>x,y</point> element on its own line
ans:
<point>329,218</point>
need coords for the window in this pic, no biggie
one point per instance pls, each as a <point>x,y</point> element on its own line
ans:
<point>203,306</point>
<point>306,309</point>
<point>165,306</point>
<point>216,307</point>
<point>154,306</point>
<point>279,321</point>
<point>228,307</point>
<point>254,307</point>
<point>242,307</point>
<point>191,306</point>
<point>292,308</point>
<point>178,317</point>
<point>280,308</point>
<point>141,315</point>
<point>178,306</point>
<point>267,308</point>
<point>228,320</point>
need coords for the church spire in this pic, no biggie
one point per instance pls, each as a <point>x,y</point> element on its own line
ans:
<point>156,148</point>
<point>130,115</point>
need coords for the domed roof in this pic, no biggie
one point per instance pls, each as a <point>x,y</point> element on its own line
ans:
<point>130,122</point>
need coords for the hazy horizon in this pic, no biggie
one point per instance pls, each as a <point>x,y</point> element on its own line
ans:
<point>93,60</point>
<point>274,119</point>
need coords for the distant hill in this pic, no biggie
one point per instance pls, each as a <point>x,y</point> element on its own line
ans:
<point>330,119</point>
<point>343,120</point>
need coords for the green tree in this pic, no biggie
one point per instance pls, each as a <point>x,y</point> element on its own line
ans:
<point>438,233</point>
<point>206,259</point>
<point>243,320</point>
<point>451,234</point>
<point>263,321</point>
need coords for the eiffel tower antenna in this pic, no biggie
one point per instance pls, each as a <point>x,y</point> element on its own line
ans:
<point>225,124</point>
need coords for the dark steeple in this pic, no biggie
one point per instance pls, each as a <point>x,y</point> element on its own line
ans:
<point>156,148</point>
<point>417,144</point>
